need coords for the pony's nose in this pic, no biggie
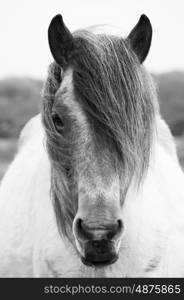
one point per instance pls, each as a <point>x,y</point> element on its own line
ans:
<point>85,232</point>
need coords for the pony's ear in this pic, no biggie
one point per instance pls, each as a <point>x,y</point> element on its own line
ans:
<point>140,38</point>
<point>61,41</point>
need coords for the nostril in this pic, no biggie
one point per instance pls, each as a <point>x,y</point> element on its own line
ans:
<point>81,231</point>
<point>116,230</point>
<point>79,224</point>
<point>120,225</point>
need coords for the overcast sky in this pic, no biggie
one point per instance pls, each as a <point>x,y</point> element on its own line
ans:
<point>24,48</point>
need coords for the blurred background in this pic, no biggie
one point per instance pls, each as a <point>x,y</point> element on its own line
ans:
<point>25,56</point>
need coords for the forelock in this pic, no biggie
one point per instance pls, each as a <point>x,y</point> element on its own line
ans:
<point>117,95</point>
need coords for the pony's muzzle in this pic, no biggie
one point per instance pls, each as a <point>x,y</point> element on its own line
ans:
<point>99,253</point>
<point>98,245</point>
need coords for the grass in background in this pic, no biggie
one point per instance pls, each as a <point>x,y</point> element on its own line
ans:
<point>8,148</point>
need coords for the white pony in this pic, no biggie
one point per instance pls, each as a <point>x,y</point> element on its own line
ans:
<point>96,189</point>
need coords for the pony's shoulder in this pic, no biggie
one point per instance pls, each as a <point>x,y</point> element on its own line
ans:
<point>165,138</point>
<point>32,129</point>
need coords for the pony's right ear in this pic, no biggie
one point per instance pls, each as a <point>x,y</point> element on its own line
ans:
<point>140,38</point>
<point>61,41</point>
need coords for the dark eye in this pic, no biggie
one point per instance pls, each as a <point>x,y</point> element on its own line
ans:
<point>58,123</point>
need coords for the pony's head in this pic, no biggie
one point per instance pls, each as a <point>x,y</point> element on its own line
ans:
<point>98,113</point>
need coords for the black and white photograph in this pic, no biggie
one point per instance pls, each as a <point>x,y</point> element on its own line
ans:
<point>92,139</point>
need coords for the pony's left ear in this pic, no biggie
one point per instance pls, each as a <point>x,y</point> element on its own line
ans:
<point>140,38</point>
<point>61,41</point>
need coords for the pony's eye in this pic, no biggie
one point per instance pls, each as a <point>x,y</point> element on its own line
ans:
<point>58,123</point>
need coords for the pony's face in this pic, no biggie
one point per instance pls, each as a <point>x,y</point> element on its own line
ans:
<point>93,173</point>
<point>98,117</point>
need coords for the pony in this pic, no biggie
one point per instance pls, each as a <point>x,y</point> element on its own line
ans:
<point>95,189</point>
